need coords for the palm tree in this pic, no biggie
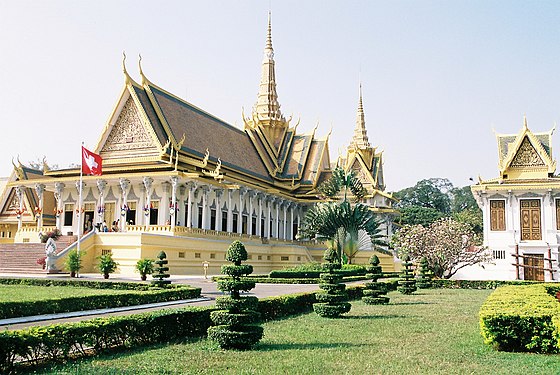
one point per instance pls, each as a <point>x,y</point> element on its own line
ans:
<point>345,227</point>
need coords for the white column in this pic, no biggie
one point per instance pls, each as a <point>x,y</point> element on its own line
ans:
<point>242,192</point>
<point>124,183</point>
<point>259,216</point>
<point>285,206</point>
<point>230,212</point>
<point>204,190</point>
<point>19,193</point>
<point>147,181</point>
<point>252,195</point>
<point>298,218</point>
<point>173,206</point>
<point>219,193</point>
<point>39,189</point>
<point>101,185</point>
<point>163,210</point>
<point>190,186</point>
<point>291,222</point>
<point>276,228</point>
<point>59,209</point>
<point>267,228</point>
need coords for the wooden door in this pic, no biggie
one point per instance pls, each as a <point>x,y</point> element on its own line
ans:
<point>530,219</point>
<point>534,260</point>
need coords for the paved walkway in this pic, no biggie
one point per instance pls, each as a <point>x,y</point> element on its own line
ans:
<point>208,294</point>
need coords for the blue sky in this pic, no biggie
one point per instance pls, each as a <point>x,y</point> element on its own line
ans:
<point>437,75</point>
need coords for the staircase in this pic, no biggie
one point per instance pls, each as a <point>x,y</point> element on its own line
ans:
<point>22,257</point>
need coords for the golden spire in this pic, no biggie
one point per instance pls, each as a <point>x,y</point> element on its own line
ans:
<point>524,121</point>
<point>267,107</point>
<point>127,78</point>
<point>360,138</point>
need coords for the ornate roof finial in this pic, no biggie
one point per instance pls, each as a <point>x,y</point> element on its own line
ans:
<point>127,78</point>
<point>267,107</point>
<point>140,64</point>
<point>525,121</point>
<point>123,63</point>
<point>360,138</point>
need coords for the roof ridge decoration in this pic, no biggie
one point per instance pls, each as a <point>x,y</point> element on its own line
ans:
<point>527,151</point>
<point>360,138</point>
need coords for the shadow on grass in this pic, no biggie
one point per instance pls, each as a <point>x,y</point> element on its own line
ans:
<point>373,316</point>
<point>307,346</point>
<point>411,303</point>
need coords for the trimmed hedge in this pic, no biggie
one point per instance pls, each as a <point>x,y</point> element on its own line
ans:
<point>60,305</point>
<point>69,340</point>
<point>476,284</point>
<point>79,283</point>
<point>73,340</point>
<point>295,274</point>
<point>521,318</point>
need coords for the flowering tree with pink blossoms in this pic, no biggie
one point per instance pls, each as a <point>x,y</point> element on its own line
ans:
<point>448,245</point>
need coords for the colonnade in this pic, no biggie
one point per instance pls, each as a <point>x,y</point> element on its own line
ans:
<point>169,201</point>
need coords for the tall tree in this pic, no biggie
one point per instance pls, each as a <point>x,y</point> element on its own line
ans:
<point>431,193</point>
<point>340,223</point>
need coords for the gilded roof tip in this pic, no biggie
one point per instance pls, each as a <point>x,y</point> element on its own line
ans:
<point>269,33</point>
<point>127,78</point>
<point>525,121</point>
<point>140,64</point>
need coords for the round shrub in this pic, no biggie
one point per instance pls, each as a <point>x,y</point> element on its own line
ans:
<point>230,339</point>
<point>326,310</point>
<point>332,297</point>
<point>233,270</point>
<point>234,324</point>
<point>241,304</point>
<point>373,294</point>
<point>224,317</point>
<point>236,253</point>
<point>230,285</point>
<point>407,284</point>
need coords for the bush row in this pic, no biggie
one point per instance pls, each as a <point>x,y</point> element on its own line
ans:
<point>93,284</point>
<point>268,280</point>
<point>71,340</point>
<point>476,284</point>
<point>521,318</point>
<point>314,274</point>
<point>60,305</point>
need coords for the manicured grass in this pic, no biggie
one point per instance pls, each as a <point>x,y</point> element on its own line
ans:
<point>21,293</point>
<point>431,332</point>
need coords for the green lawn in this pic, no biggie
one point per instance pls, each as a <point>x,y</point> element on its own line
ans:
<point>432,332</point>
<point>21,293</point>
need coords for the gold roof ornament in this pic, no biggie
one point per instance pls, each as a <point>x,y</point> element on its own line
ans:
<point>127,78</point>
<point>360,138</point>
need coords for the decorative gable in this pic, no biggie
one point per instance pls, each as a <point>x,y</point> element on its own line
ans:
<point>527,156</point>
<point>129,131</point>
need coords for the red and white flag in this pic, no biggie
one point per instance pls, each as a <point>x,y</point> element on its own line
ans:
<point>91,163</point>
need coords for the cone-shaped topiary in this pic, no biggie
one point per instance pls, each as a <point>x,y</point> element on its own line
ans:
<point>332,297</point>
<point>424,280</point>
<point>235,323</point>
<point>407,284</point>
<point>374,292</point>
<point>160,275</point>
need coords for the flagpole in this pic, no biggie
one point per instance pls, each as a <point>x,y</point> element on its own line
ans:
<point>80,207</point>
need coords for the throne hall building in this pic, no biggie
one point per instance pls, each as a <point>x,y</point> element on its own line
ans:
<point>178,179</point>
<point>521,210</point>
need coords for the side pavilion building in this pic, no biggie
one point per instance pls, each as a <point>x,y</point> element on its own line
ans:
<point>521,210</point>
<point>179,179</point>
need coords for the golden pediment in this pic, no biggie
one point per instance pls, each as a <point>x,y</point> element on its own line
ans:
<point>129,132</point>
<point>527,156</point>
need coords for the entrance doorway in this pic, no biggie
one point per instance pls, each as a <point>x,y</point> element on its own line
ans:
<point>530,273</point>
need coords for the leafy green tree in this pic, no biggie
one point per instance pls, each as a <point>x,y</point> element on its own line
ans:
<point>160,276</point>
<point>462,199</point>
<point>374,292</point>
<point>343,225</point>
<point>430,193</point>
<point>407,284</point>
<point>414,215</point>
